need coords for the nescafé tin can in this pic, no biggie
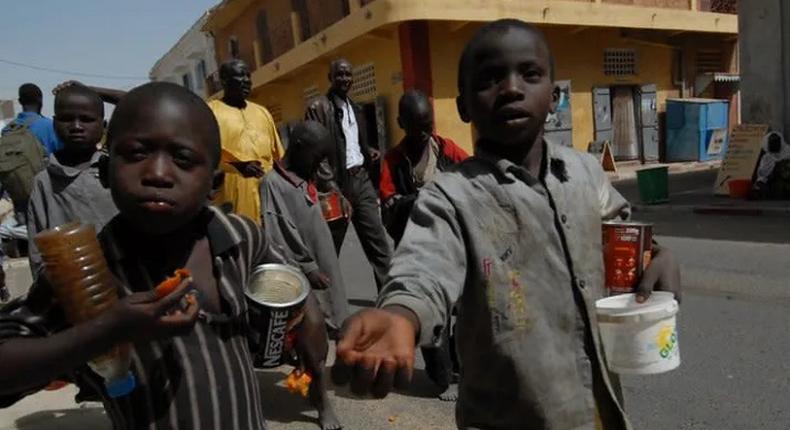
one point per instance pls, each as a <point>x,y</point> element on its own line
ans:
<point>276,294</point>
<point>627,250</point>
<point>331,206</point>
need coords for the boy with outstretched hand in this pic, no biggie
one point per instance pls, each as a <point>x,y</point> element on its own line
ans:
<point>512,237</point>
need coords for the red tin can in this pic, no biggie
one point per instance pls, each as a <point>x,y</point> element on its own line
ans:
<point>627,250</point>
<point>331,205</point>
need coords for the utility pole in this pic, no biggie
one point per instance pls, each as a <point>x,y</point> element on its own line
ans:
<point>764,37</point>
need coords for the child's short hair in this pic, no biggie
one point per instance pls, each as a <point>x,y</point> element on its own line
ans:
<point>498,27</point>
<point>30,94</point>
<point>81,90</point>
<point>154,92</point>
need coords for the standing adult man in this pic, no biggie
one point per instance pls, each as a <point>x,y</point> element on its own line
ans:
<point>250,143</point>
<point>347,169</point>
<point>31,99</point>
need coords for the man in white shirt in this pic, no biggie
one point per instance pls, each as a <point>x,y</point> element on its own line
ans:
<point>347,170</point>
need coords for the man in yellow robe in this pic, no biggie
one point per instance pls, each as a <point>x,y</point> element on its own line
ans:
<point>250,143</point>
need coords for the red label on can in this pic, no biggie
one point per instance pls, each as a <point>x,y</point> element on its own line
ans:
<point>627,250</point>
<point>330,206</point>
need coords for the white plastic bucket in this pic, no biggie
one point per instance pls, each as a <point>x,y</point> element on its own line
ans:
<point>639,338</point>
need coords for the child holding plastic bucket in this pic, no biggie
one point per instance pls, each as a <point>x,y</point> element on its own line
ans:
<point>512,238</point>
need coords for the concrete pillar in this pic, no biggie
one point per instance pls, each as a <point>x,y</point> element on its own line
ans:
<point>764,27</point>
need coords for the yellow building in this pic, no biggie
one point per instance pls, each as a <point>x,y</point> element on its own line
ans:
<point>617,60</point>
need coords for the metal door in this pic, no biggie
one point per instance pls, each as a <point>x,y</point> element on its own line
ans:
<point>559,125</point>
<point>602,107</point>
<point>649,123</point>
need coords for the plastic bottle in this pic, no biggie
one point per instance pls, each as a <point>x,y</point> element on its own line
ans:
<point>75,266</point>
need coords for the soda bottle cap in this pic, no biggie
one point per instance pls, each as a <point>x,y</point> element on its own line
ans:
<point>121,387</point>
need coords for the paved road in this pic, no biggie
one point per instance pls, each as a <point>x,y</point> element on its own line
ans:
<point>734,320</point>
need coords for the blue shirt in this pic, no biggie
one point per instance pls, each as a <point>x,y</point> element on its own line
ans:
<point>42,128</point>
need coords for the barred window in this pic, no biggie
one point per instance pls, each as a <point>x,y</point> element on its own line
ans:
<point>619,62</point>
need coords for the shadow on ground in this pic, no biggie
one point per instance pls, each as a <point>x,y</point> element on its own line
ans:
<point>64,419</point>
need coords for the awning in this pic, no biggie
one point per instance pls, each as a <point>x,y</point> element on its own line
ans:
<point>705,80</point>
<point>726,77</point>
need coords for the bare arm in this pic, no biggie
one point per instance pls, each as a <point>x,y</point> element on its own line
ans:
<point>109,95</point>
<point>32,362</point>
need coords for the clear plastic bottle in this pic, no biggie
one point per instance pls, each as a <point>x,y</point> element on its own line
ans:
<point>75,266</point>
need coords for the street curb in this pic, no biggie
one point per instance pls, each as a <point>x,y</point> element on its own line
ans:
<point>629,173</point>
<point>714,210</point>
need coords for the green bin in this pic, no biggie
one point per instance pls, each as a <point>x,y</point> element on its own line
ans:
<point>653,185</point>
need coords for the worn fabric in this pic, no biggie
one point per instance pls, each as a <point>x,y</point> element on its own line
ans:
<point>366,218</point>
<point>41,127</point>
<point>249,134</point>
<point>203,380</point>
<point>294,220</point>
<point>62,194</point>
<point>351,134</point>
<point>521,258</point>
<point>425,169</point>
<point>400,181</point>
<point>329,111</point>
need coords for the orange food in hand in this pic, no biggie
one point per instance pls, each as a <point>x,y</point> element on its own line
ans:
<point>168,285</point>
<point>298,382</point>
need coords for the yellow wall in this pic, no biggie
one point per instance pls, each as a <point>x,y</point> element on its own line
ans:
<point>383,51</point>
<point>582,63</point>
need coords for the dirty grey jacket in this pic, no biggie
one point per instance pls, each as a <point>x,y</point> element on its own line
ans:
<point>62,194</point>
<point>522,258</point>
<point>293,221</point>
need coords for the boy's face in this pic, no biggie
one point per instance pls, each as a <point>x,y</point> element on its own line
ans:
<point>508,91</point>
<point>308,159</point>
<point>417,122</point>
<point>161,171</point>
<point>79,123</point>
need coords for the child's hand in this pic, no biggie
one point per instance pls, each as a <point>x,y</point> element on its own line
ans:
<point>376,349</point>
<point>348,210</point>
<point>63,85</point>
<point>318,280</point>
<point>249,169</point>
<point>662,274</point>
<point>145,317</point>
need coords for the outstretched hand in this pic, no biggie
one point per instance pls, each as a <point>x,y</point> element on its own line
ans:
<point>144,316</point>
<point>376,350</point>
<point>662,274</point>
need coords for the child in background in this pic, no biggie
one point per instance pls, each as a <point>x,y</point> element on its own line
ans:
<point>512,237</point>
<point>69,188</point>
<point>292,217</point>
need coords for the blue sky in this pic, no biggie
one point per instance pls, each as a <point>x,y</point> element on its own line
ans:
<point>104,37</point>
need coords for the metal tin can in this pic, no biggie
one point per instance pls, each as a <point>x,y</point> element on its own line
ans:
<point>627,250</point>
<point>276,294</point>
<point>331,206</point>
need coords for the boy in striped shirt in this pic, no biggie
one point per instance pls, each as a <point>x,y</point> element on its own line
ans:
<point>192,366</point>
